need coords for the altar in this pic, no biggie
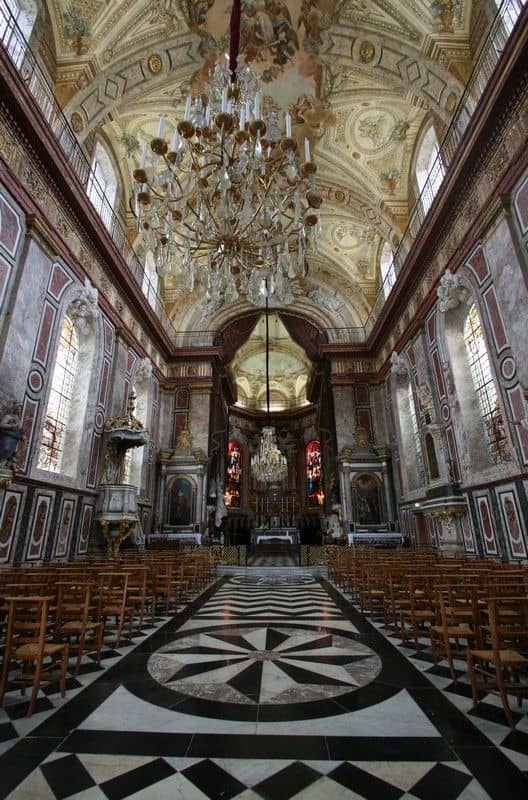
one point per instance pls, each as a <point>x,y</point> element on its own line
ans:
<point>380,537</point>
<point>276,535</point>
<point>185,537</point>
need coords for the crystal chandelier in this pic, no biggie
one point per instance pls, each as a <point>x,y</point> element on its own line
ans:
<point>230,201</point>
<point>268,465</point>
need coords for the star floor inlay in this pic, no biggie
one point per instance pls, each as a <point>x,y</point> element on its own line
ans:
<point>264,665</point>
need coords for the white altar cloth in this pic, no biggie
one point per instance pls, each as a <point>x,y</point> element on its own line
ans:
<point>283,537</point>
<point>373,536</point>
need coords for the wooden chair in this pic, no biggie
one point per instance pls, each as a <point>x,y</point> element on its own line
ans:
<point>458,628</point>
<point>421,612</point>
<point>111,601</point>
<point>74,620</point>
<point>501,664</point>
<point>27,645</point>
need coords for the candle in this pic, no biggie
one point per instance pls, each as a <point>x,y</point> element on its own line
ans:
<point>248,110</point>
<point>208,115</point>
<point>224,99</point>
<point>307,150</point>
<point>174,140</point>
<point>288,125</point>
<point>242,122</point>
<point>187,108</point>
<point>143,156</point>
<point>161,127</point>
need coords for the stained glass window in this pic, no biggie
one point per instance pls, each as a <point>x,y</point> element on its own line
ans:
<point>59,403</point>
<point>234,475</point>
<point>314,478</point>
<point>480,368</point>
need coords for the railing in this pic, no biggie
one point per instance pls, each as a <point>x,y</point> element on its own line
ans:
<point>30,70</point>
<point>190,339</point>
<point>487,59</point>
<point>37,82</point>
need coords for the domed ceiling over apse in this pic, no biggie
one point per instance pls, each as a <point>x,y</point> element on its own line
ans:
<point>360,77</point>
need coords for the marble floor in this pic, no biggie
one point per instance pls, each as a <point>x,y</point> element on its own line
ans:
<point>274,688</point>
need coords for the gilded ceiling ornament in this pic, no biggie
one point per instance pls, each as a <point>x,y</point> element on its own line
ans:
<point>76,122</point>
<point>366,51</point>
<point>155,64</point>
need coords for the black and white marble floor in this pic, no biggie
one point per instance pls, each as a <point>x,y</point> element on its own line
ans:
<point>266,690</point>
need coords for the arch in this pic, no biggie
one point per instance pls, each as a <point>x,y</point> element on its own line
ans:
<point>103,183</point>
<point>477,412</point>
<point>409,435</point>
<point>429,169</point>
<point>64,431</point>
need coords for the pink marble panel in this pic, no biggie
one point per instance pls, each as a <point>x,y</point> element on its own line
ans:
<point>513,525</point>
<point>364,420</point>
<point>126,389</point>
<point>180,422</point>
<point>495,318</point>
<point>478,264</point>
<point>64,528</point>
<point>84,534</point>
<point>431,327</point>
<point>516,400</point>
<point>181,399</point>
<point>362,395</point>
<point>469,542</point>
<point>440,385</point>
<point>10,227</point>
<point>132,358</point>
<point>453,453</point>
<point>8,523</point>
<point>488,528</point>
<point>59,279</point>
<point>37,537</point>
<point>103,386</point>
<point>108,336</point>
<point>94,460</point>
<point>29,413</point>
<point>44,335</point>
<point>5,269</point>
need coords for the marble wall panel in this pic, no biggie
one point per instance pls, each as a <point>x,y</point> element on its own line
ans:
<point>513,523</point>
<point>41,516</point>
<point>64,527</point>
<point>10,513</point>
<point>11,226</point>
<point>487,524</point>
<point>84,528</point>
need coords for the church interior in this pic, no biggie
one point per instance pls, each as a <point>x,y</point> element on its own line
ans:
<point>263,399</point>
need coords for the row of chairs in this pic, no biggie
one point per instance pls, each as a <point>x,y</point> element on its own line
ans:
<point>475,611</point>
<point>51,613</point>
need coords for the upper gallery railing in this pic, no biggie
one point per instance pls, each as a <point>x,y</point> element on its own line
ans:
<point>37,82</point>
<point>486,61</point>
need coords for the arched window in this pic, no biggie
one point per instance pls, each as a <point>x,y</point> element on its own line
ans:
<point>410,443</point>
<point>484,385</point>
<point>429,169</point>
<point>60,399</point>
<point>150,280</point>
<point>387,270</point>
<point>234,475</point>
<point>509,12</point>
<point>314,484</point>
<point>102,184</point>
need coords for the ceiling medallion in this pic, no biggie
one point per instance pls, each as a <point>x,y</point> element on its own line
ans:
<point>366,51</point>
<point>155,63</point>
<point>76,122</point>
<point>228,198</point>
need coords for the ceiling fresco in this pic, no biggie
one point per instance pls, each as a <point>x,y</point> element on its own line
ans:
<point>361,78</point>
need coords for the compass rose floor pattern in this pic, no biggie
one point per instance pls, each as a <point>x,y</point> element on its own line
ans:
<point>262,691</point>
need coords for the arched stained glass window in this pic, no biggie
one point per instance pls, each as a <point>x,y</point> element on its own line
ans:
<point>234,475</point>
<point>314,475</point>
<point>480,368</point>
<point>60,398</point>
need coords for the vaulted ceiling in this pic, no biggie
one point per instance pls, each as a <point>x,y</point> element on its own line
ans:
<point>361,78</point>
